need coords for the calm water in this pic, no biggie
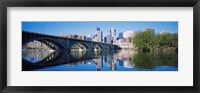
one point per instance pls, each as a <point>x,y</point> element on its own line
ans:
<point>122,60</point>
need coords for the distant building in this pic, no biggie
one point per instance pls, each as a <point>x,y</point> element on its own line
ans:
<point>164,33</point>
<point>114,41</point>
<point>126,41</point>
<point>105,39</point>
<point>99,34</point>
<point>94,38</point>
<point>82,37</point>
<point>63,36</point>
<point>120,41</point>
<point>113,32</point>
<point>128,34</point>
<point>121,35</point>
<point>35,45</point>
<point>108,37</point>
<point>98,29</point>
<point>149,30</point>
<point>89,38</point>
<point>74,36</point>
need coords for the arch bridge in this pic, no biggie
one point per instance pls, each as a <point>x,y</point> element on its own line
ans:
<point>61,43</point>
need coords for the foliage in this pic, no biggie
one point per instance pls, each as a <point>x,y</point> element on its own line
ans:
<point>147,40</point>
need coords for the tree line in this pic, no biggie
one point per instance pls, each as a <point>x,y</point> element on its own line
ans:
<point>148,41</point>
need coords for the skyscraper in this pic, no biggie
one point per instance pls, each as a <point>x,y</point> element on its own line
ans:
<point>105,40</point>
<point>108,37</point>
<point>113,32</point>
<point>99,34</point>
<point>114,40</point>
<point>121,35</point>
<point>94,38</point>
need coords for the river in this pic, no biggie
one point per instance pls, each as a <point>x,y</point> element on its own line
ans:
<point>121,60</point>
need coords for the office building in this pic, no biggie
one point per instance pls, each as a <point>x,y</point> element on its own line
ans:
<point>114,41</point>
<point>113,32</point>
<point>128,34</point>
<point>121,35</point>
<point>108,37</point>
<point>105,39</point>
<point>89,38</point>
<point>99,34</point>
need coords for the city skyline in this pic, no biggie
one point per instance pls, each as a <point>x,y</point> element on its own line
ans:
<point>100,46</point>
<point>89,28</point>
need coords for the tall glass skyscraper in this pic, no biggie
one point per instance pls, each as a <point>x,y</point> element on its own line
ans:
<point>108,37</point>
<point>99,34</point>
<point>113,32</point>
<point>121,36</point>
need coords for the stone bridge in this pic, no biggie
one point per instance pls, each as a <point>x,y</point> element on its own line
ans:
<point>61,43</point>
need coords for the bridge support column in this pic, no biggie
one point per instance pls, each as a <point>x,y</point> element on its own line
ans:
<point>67,50</point>
<point>112,47</point>
<point>91,48</point>
<point>103,46</point>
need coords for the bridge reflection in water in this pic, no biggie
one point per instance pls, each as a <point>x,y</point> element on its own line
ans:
<point>122,60</point>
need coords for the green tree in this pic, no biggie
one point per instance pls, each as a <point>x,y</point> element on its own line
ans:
<point>144,41</point>
<point>168,40</point>
<point>147,41</point>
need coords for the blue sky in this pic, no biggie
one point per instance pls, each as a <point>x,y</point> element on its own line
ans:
<point>89,28</point>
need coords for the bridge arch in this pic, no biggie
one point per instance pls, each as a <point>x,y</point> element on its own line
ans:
<point>98,47</point>
<point>108,47</point>
<point>81,45</point>
<point>51,43</point>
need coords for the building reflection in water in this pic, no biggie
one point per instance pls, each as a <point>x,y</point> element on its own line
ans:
<point>36,55</point>
<point>102,60</point>
<point>98,63</point>
<point>113,65</point>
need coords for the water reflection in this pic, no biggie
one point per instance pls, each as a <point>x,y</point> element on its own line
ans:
<point>122,60</point>
<point>34,56</point>
<point>152,61</point>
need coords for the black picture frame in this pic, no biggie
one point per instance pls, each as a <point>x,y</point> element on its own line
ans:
<point>101,3</point>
